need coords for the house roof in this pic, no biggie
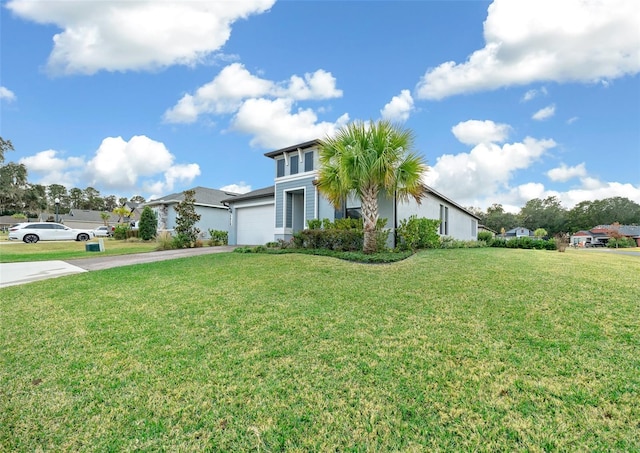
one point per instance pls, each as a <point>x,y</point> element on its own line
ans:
<point>84,215</point>
<point>258,193</point>
<point>304,145</point>
<point>203,196</point>
<point>450,201</point>
<point>626,230</point>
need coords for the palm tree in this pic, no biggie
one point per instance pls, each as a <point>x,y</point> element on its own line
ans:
<point>364,159</point>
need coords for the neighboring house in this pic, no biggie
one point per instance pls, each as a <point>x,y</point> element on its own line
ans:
<point>214,215</point>
<point>6,221</point>
<point>80,218</point>
<point>279,211</point>
<point>518,232</point>
<point>600,235</point>
<point>486,229</point>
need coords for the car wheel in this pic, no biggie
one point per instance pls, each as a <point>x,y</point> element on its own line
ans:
<point>30,239</point>
<point>83,237</point>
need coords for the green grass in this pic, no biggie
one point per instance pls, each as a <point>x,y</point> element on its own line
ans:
<point>67,250</point>
<point>449,350</point>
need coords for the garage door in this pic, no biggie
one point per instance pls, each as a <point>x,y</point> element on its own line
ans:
<point>255,224</point>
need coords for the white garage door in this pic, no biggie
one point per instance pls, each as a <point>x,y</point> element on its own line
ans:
<point>255,224</point>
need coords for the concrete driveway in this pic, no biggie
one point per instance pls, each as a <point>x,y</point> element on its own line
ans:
<point>19,273</point>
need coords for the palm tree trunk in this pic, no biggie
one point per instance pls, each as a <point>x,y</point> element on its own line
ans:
<point>370,218</point>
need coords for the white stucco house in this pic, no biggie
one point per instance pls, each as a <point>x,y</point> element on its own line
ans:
<point>214,215</point>
<point>278,211</point>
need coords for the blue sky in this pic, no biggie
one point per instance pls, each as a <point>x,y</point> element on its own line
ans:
<point>509,100</point>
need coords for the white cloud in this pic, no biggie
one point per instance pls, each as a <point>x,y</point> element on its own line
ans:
<point>544,113</point>
<point>273,124</point>
<point>6,94</point>
<point>135,35</point>
<point>485,170</point>
<point>544,40</point>
<point>564,173</point>
<point>53,169</point>
<point>572,120</point>
<point>241,187</point>
<point>319,85</point>
<point>123,165</point>
<point>531,94</point>
<point>399,108</point>
<point>234,84</point>
<point>474,132</point>
<point>589,189</point>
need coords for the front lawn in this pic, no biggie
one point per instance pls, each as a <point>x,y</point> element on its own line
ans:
<point>448,350</point>
<point>14,252</point>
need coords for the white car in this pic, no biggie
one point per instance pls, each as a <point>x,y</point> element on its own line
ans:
<point>103,231</point>
<point>47,231</point>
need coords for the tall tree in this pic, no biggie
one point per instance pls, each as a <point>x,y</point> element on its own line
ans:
<point>122,201</point>
<point>368,159</point>
<point>13,184</point>
<point>92,199</point>
<point>137,199</point>
<point>110,203</point>
<point>187,217</point>
<point>35,198</point>
<point>5,145</point>
<point>498,219</point>
<point>76,197</point>
<point>548,214</point>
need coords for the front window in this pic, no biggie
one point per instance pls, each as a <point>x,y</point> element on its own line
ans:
<point>308,161</point>
<point>444,220</point>
<point>280,168</point>
<point>294,164</point>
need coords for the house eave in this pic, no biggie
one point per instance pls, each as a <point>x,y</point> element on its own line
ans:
<point>288,149</point>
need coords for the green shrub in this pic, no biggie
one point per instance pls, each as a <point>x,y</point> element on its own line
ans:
<point>418,233</point>
<point>623,242</point>
<point>524,243</point>
<point>347,224</point>
<point>332,239</point>
<point>218,237</point>
<point>181,241</point>
<point>485,236</point>
<point>120,231</point>
<point>314,224</point>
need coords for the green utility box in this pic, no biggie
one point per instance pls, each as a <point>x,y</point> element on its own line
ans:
<point>92,247</point>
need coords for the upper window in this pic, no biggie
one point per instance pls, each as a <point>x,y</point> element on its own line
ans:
<point>293,158</point>
<point>308,161</point>
<point>280,168</point>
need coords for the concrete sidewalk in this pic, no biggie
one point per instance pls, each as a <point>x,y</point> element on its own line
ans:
<point>20,273</point>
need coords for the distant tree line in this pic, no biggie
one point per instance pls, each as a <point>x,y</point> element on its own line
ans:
<point>549,214</point>
<point>19,196</point>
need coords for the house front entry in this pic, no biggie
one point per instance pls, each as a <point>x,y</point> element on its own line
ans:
<point>295,210</point>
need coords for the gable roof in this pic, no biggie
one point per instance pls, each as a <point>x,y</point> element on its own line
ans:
<point>85,215</point>
<point>265,192</point>
<point>203,196</point>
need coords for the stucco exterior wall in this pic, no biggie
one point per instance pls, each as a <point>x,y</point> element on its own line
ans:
<point>462,225</point>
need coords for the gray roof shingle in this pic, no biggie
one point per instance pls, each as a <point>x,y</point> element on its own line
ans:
<point>203,196</point>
